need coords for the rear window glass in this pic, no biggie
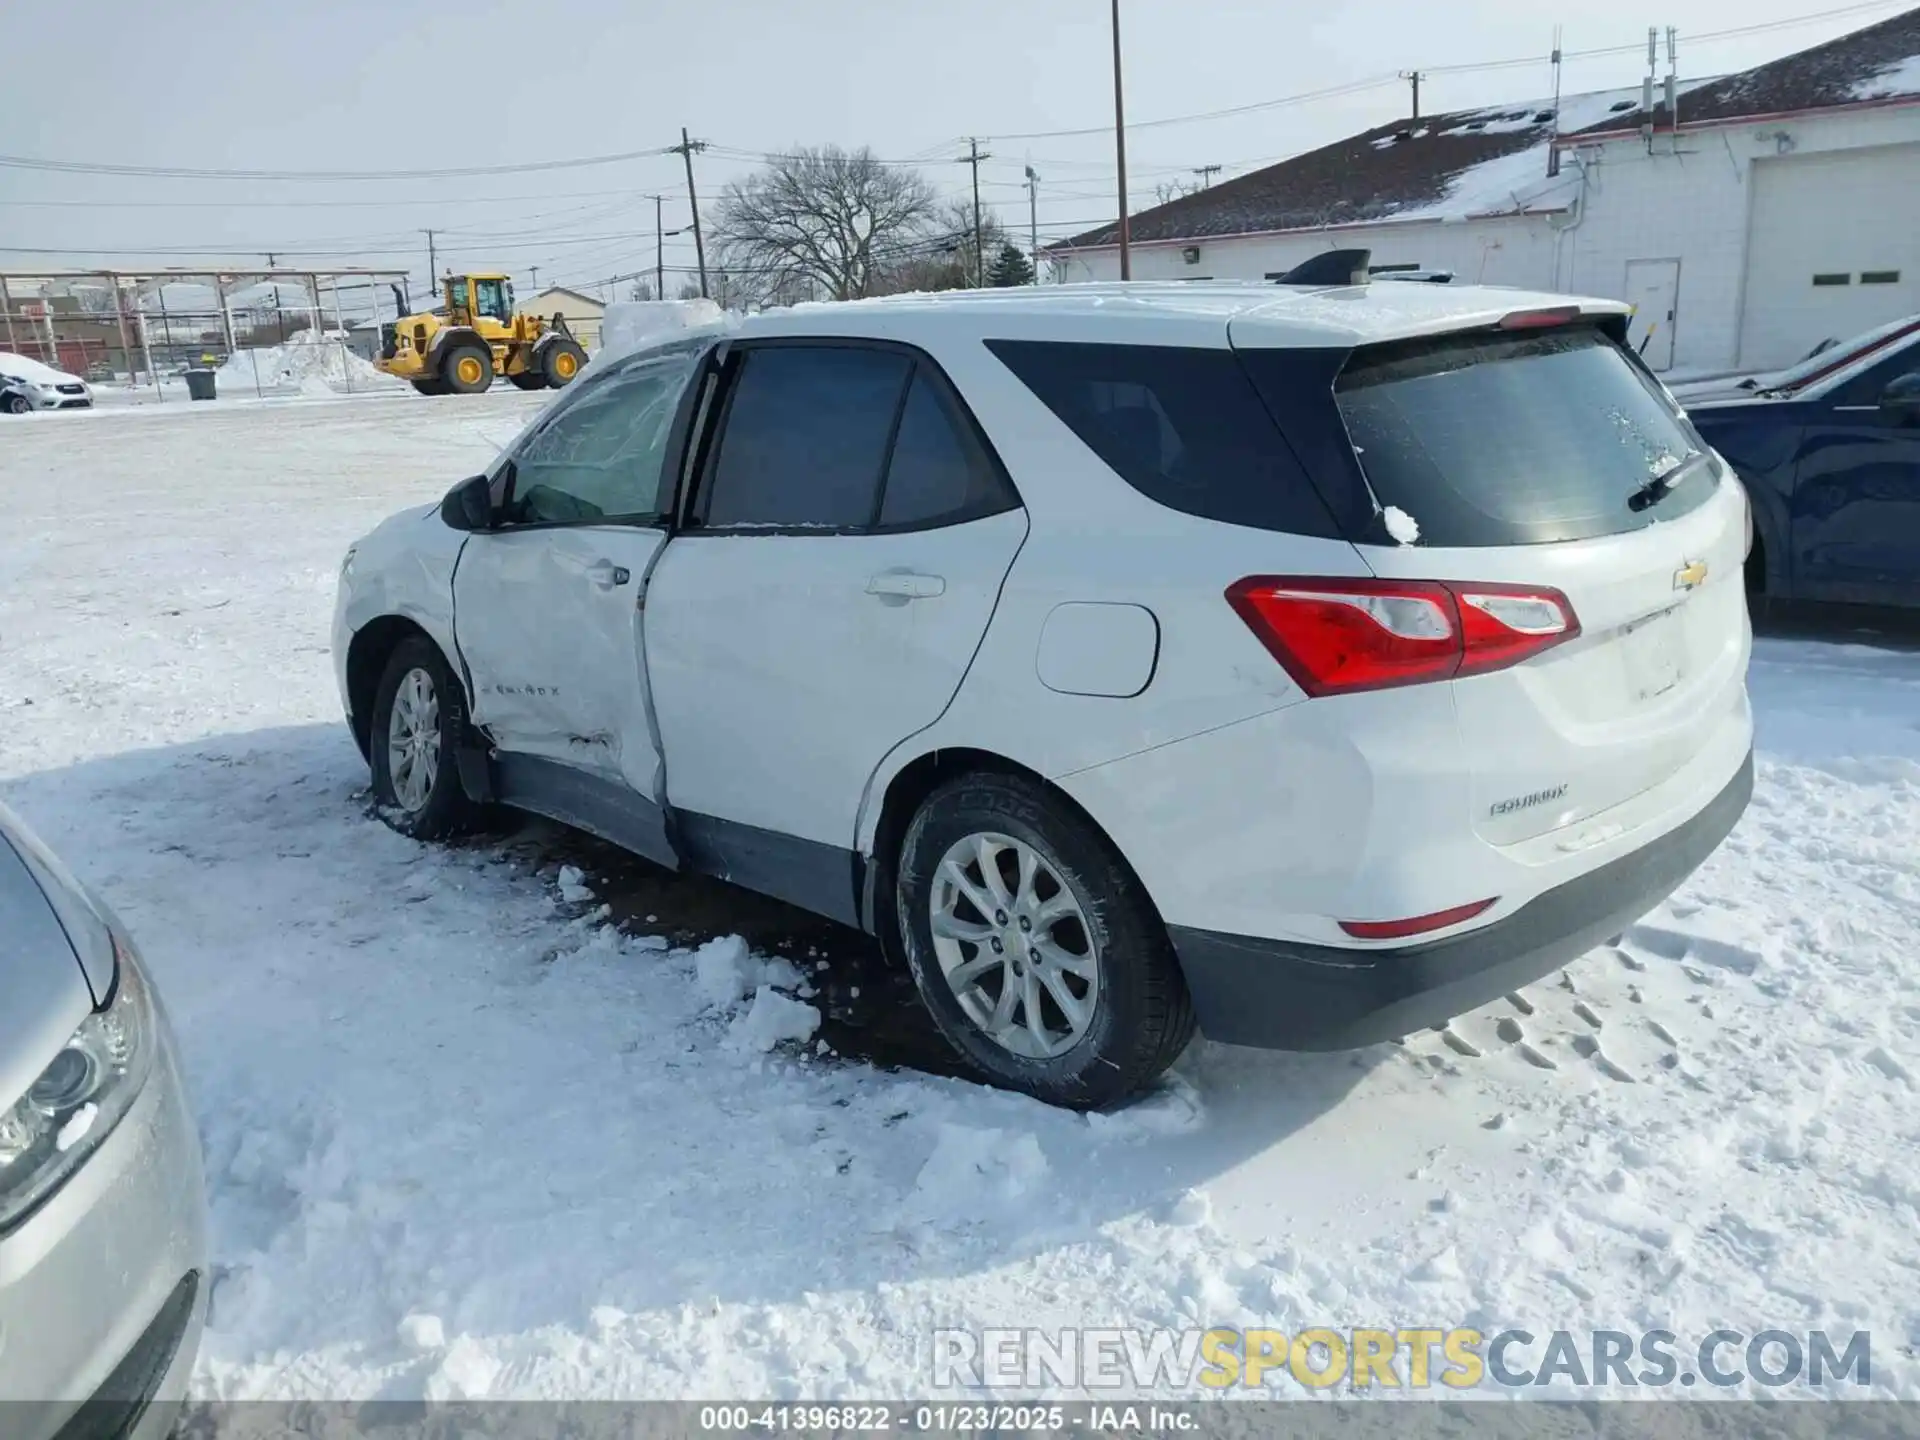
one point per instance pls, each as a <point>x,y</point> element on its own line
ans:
<point>1184,427</point>
<point>1518,439</point>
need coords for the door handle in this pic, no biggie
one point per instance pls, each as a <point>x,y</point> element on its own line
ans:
<point>606,575</point>
<point>906,585</point>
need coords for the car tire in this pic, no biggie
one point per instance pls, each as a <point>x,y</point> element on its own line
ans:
<point>419,714</point>
<point>16,405</point>
<point>561,361</point>
<point>1071,923</point>
<point>467,369</point>
<point>430,387</point>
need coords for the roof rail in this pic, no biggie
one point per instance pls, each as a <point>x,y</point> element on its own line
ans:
<point>1335,267</point>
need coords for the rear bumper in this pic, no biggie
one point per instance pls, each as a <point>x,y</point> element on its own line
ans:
<point>1286,995</point>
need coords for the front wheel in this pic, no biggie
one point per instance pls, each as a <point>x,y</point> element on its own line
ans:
<point>561,361</point>
<point>16,405</point>
<point>418,713</point>
<point>467,369</point>
<point>431,387</point>
<point>1036,950</point>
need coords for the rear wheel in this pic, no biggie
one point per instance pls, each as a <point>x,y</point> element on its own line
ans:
<point>430,387</point>
<point>561,361</point>
<point>418,713</point>
<point>467,369</point>
<point>1034,947</point>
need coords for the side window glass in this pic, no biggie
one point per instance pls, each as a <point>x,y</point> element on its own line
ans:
<point>805,437</point>
<point>939,472</point>
<point>1866,387</point>
<point>459,293</point>
<point>601,457</point>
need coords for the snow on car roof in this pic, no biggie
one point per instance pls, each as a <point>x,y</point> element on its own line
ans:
<point>27,368</point>
<point>1262,313</point>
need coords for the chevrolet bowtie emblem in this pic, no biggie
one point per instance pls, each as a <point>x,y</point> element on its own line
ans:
<point>1690,576</point>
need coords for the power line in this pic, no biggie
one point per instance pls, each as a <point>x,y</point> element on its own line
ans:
<point>185,172</point>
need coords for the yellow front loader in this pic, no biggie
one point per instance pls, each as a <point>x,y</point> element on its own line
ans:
<point>474,336</point>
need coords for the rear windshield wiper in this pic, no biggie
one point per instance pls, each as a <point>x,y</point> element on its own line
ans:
<point>1661,485</point>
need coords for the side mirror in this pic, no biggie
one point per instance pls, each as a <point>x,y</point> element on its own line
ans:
<point>469,505</point>
<point>1902,395</point>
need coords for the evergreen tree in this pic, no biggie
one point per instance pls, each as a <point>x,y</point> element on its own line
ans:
<point>1010,268</point>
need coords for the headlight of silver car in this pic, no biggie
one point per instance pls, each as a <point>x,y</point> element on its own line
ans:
<point>78,1099</point>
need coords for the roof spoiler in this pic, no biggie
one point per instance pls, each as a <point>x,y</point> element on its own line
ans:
<point>1335,267</point>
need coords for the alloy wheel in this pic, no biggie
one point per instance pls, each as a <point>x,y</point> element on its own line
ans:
<point>413,740</point>
<point>1014,944</point>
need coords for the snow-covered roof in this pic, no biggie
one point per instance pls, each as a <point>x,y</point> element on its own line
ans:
<point>1873,65</point>
<point>1491,161</point>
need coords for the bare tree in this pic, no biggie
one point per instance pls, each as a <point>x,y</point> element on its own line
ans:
<point>941,256</point>
<point>1170,190</point>
<point>821,218</point>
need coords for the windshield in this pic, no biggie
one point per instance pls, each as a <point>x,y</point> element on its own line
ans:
<point>1515,439</point>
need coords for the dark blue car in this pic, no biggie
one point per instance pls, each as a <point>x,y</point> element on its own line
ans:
<point>1830,454</point>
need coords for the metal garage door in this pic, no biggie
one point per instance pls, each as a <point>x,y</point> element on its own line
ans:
<point>1834,249</point>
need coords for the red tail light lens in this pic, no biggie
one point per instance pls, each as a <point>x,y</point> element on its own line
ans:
<point>1417,925</point>
<point>1540,319</point>
<point>1336,636</point>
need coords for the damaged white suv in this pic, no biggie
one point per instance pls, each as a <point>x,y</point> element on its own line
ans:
<point>1310,662</point>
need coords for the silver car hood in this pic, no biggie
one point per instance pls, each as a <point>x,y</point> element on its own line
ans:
<point>44,994</point>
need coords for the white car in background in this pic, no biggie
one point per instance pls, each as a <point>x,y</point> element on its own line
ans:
<point>35,386</point>
<point>1310,663</point>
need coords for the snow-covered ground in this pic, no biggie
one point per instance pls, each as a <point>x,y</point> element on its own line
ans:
<point>463,1138</point>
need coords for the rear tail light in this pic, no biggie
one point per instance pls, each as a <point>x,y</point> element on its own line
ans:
<point>1334,636</point>
<point>1417,925</point>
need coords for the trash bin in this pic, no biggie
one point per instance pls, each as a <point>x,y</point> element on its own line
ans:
<point>200,384</point>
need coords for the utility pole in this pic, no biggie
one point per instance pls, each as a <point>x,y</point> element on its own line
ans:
<point>1033,219</point>
<point>1120,151</point>
<point>433,268</point>
<point>1416,77</point>
<point>973,157</point>
<point>535,270</point>
<point>1553,147</point>
<point>685,149</point>
<point>659,252</point>
<point>279,320</point>
<point>1206,174</point>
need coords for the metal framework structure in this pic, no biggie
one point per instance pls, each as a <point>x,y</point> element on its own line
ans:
<point>81,320</point>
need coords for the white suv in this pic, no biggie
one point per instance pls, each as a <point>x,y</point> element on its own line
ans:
<point>1310,663</point>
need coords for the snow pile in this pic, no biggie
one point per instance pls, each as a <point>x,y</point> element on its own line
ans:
<point>773,1019</point>
<point>629,324</point>
<point>725,972</point>
<point>310,363</point>
<point>1401,526</point>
